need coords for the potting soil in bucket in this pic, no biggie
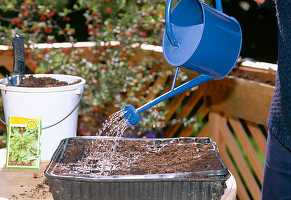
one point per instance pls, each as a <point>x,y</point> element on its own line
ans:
<point>57,107</point>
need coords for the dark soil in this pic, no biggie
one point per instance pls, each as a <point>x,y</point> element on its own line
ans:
<point>32,81</point>
<point>136,158</point>
<point>41,191</point>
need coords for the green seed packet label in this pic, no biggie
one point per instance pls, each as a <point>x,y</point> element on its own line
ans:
<point>23,143</point>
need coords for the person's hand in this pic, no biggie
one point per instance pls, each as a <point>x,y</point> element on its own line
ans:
<point>260,1</point>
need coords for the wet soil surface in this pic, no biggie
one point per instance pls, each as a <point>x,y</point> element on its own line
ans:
<point>32,81</point>
<point>136,158</point>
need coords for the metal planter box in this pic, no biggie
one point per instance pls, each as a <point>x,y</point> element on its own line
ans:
<point>172,186</point>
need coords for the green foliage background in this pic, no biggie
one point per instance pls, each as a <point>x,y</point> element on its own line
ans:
<point>112,81</point>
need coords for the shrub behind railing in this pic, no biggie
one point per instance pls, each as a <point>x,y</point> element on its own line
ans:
<point>111,83</point>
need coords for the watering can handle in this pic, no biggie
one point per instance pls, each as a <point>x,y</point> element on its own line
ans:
<point>169,30</point>
<point>59,121</point>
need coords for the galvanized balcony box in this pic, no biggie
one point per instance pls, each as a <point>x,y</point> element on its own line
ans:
<point>70,178</point>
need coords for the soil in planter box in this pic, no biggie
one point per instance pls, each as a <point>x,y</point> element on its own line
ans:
<point>32,81</point>
<point>137,158</point>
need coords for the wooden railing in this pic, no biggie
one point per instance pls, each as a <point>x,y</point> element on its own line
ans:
<point>234,110</point>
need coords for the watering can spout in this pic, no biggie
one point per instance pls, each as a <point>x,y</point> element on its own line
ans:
<point>131,114</point>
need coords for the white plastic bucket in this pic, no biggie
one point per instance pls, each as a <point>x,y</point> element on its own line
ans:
<point>56,106</point>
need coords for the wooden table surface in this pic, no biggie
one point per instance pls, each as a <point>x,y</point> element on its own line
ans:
<point>29,184</point>
<point>22,184</point>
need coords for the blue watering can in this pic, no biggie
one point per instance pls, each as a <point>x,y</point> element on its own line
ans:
<point>199,38</point>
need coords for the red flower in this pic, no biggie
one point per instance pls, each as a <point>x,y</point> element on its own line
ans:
<point>42,18</point>
<point>101,49</point>
<point>66,19</point>
<point>65,51</point>
<point>26,14</point>
<point>50,15</point>
<point>36,30</point>
<point>91,30</point>
<point>51,41</point>
<point>97,25</point>
<point>123,56</point>
<point>143,35</point>
<point>15,21</point>
<point>109,10</point>
<point>87,22</point>
<point>48,30</point>
<point>23,9</point>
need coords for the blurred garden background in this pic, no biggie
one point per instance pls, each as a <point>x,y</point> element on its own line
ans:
<point>117,28</point>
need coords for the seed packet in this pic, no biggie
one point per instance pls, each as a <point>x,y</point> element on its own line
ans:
<point>23,143</point>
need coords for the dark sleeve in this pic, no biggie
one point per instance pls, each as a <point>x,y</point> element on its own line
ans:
<point>268,4</point>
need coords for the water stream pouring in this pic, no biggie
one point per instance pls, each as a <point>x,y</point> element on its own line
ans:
<point>199,38</point>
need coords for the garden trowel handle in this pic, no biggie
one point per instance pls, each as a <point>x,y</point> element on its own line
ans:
<point>19,60</point>
<point>169,30</point>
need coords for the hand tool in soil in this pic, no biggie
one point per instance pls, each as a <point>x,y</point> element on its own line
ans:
<point>199,38</point>
<point>19,61</point>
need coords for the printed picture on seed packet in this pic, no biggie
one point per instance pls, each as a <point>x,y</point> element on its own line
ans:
<point>23,143</point>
